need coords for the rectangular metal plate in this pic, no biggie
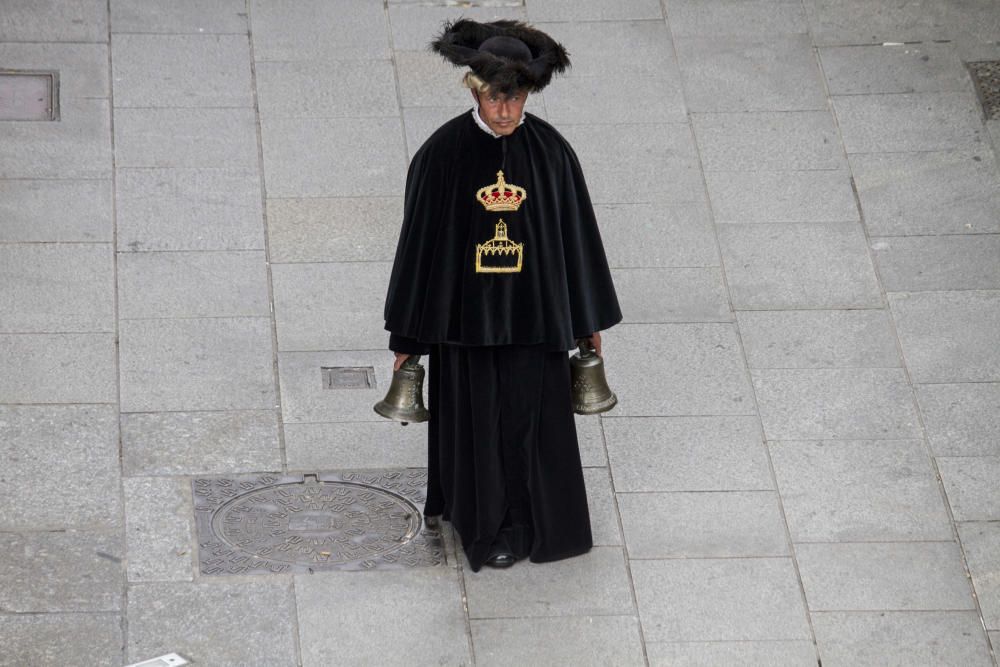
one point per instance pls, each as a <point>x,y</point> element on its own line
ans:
<point>26,95</point>
<point>348,377</point>
<point>986,77</point>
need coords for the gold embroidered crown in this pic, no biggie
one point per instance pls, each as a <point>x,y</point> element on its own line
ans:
<point>501,196</point>
<point>500,253</point>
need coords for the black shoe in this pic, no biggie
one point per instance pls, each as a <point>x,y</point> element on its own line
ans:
<point>501,559</point>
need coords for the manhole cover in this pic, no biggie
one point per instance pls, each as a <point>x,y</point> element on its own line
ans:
<point>986,76</point>
<point>353,520</point>
<point>29,95</point>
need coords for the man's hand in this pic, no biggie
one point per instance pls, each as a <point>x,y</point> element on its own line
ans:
<point>400,358</point>
<point>595,340</point>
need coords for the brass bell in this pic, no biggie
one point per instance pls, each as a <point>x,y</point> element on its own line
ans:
<point>404,402</point>
<point>591,393</point>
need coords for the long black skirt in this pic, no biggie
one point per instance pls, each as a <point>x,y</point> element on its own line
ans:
<point>503,458</point>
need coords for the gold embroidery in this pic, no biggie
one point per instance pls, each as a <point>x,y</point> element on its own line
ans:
<point>501,196</point>
<point>501,254</point>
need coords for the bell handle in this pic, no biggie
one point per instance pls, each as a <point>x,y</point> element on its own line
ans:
<point>586,348</point>
<point>411,362</point>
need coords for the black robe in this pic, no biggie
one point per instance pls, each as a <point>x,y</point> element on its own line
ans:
<point>496,298</point>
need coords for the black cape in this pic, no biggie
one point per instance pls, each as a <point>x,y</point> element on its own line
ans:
<point>562,289</point>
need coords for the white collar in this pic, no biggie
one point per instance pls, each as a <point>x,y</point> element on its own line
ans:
<point>482,124</point>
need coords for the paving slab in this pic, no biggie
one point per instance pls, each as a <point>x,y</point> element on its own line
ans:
<point>758,73</point>
<point>981,544</point>
<point>971,485</point>
<point>590,435</point>
<point>859,491</point>
<point>189,209</point>
<point>158,530</point>
<point>902,68</point>
<point>596,47</point>
<point>83,68</point>
<point>949,336</point>
<point>582,640</point>
<point>334,229</point>
<point>196,138</point>
<point>593,10</point>
<point>677,369</point>
<point>857,21</point>
<point>781,196</point>
<point>818,338</point>
<point>197,621</point>
<point>629,99</point>
<point>310,89</point>
<point>55,21</point>
<point>55,288</point>
<point>334,157</point>
<point>414,25</point>
<point>420,123</point>
<point>530,590</point>
<point>798,265</point>
<point>703,525</point>
<point>925,263</point>
<point>427,80</point>
<point>305,399</point>
<point>311,316</point>
<point>736,17</point>
<point>61,639</point>
<point>230,283</point>
<point>61,571</point>
<point>632,235</point>
<point>672,295</point>
<point>200,443</point>
<point>329,446</point>
<point>687,454</point>
<point>179,16</point>
<point>289,30</point>
<point>909,122</point>
<point>196,364</point>
<point>961,419</point>
<point>900,638</point>
<point>768,141</point>
<point>894,576</point>
<point>77,146</point>
<point>34,211</point>
<point>58,368</point>
<point>788,653</point>
<point>720,599</point>
<point>603,510</point>
<point>943,192</point>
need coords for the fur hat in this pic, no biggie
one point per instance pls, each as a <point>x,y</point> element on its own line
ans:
<point>505,55</point>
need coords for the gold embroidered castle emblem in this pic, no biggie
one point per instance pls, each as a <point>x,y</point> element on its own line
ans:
<point>501,196</point>
<point>499,254</point>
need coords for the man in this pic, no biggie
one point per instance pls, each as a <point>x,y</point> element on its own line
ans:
<point>499,271</point>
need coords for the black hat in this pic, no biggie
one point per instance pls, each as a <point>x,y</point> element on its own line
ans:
<point>506,55</point>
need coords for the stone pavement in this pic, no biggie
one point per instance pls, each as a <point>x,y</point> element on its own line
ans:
<point>804,225</point>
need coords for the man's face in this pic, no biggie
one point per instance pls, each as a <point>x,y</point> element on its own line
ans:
<point>501,112</point>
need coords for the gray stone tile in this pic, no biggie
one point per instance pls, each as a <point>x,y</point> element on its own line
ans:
<point>633,234</point>
<point>179,16</point>
<point>415,25</point>
<point>590,435</point>
<point>638,163</point>
<point>197,138</point>
<point>971,485</point>
<point>687,454</point>
<point>603,513</point>
<point>300,30</point>
<point>781,196</point>
<point>596,48</point>
<point>907,68</point>
<point>951,192</point>
<point>200,443</point>
<point>721,599</point>
<point>961,419</point>
<point>900,638</point>
<point>360,229</point>
<point>83,68</point>
<point>672,295</point>
<point>197,621</point>
<point>158,531</point>
<point>427,80</point>
<point>677,369</point>
<point>818,338</point>
<point>62,639</point>
<point>55,21</point>
<point>528,590</point>
<point>909,122</point>
<point>196,364</point>
<point>858,491</point>
<point>789,653</point>
<point>420,122</point>
<point>51,211</point>
<point>584,641</point>
<point>53,288</point>
<point>953,262</point>
<point>949,336</point>
<point>703,525</point>
<point>74,446</point>
<point>192,284</point>
<point>181,71</point>
<point>189,209</point>
<point>772,73</point>
<point>736,17</point>
<point>311,316</point>
<point>630,99</point>
<point>61,571</point>
<point>768,141</point>
<point>862,403</point>
<point>970,23</point>
<point>78,146</point>
<point>331,157</point>
<point>981,543</point>
<point>346,88</point>
<point>304,399</point>
<point>329,446</point>
<point>798,265</point>
<point>593,10</point>
<point>858,21</point>
<point>58,368</point>
<point>419,608</point>
<point>895,576</point>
